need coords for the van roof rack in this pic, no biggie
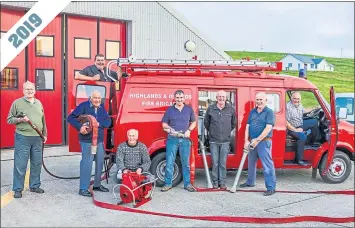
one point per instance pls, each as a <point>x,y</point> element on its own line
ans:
<point>133,65</point>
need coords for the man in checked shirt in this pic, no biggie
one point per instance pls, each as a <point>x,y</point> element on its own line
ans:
<point>132,155</point>
<point>296,126</point>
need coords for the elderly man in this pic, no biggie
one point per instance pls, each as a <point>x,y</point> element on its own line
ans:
<point>28,144</point>
<point>258,135</point>
<point>132,155</point>
<point>91,107</point>
<point>219,121</point>
<point>178,121</point>
<point>296,126</point>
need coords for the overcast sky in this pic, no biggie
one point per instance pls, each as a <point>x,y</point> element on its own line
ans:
<point>320,28</point>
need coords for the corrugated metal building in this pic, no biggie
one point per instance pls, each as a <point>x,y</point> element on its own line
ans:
<point>154,29</point>
<point>149,30</point>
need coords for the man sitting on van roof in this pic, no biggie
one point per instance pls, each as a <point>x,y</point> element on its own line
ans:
<point>97,71</point>
<point>132,155</point>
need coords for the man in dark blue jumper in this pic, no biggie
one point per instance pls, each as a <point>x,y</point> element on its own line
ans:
<point>91,107</point>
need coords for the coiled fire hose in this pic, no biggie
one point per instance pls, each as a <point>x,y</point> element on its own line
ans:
<point>91,127</point>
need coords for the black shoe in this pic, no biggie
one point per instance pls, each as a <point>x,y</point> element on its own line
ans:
<point>37,190</point>
<point>85,193</point>
<point>301,163</point>
<point>18,195</point>
<point>269,192</point>
<point>245,185</point>
<point>101,189</point>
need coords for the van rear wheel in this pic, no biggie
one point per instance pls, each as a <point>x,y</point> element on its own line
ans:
<point>339,169</point>
<point>158,166</point>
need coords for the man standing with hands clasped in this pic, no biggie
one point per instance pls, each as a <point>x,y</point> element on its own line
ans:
<point>258,135</point>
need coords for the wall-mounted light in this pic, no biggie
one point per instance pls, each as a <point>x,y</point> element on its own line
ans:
<point>190,46</point>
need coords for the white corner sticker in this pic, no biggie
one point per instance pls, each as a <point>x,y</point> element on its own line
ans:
<point>28,27</point>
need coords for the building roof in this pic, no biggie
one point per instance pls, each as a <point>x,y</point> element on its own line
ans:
<point>303,58</point>
<point>308,59</point>
<point>317,60</point>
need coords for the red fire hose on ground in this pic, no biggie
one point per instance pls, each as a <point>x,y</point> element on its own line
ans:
<point>234,219</point>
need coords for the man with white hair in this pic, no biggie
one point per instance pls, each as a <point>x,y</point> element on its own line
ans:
<point>219,121</point>
<point>28,144</point>
<point>132,155</point>
<point>258,134</point>
<point>94,108</point>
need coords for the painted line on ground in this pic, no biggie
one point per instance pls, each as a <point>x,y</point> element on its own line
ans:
<point>9,196</point>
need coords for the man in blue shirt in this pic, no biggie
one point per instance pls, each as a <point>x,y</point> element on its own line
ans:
<point>95,108</point>
<point>258,135</point>
<point>178,121</point>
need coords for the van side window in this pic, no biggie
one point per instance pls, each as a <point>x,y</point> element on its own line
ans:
<point>273,101</point>
<point>83,93</point>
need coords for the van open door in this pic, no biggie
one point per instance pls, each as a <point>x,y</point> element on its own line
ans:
<point>333,132</point>
<point>81,92</point>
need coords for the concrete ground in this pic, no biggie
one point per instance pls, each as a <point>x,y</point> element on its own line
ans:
<point>61,206</point>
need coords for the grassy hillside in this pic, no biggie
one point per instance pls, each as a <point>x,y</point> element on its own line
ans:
<point>342,78</point>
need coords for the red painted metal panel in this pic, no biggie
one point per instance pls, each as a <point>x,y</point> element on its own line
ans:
<point>113,31</point>
<point>9,19</point>
<point>52,100</point>
<point>79,27</point>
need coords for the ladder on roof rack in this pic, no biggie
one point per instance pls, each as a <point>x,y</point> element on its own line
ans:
<point>196,65</point>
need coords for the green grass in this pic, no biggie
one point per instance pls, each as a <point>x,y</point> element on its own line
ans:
<point>342,78</point>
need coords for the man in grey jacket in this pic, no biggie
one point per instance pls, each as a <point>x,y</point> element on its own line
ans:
<point>219,121</point>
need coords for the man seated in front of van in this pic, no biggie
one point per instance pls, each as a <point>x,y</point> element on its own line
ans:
<point>97,71</point>
<point>296,126</point>
<point>132,155</point>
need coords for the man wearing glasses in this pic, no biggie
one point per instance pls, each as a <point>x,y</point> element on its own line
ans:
<point>178,121</point>
<point>28,144</point>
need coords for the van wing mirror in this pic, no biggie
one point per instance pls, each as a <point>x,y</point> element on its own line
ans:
<point>343,113</point>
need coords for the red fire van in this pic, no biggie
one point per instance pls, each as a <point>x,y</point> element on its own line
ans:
<point>142,98</point>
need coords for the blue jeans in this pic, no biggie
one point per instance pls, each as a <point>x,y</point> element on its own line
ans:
<point>172,146</point>
<point>27,147</point>
<point>302,138</point>
<point>219,153</point>
<point>262,151</point>
<point>86,164</point>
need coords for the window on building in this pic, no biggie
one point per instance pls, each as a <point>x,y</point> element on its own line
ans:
<point>273,101</point>
<point>112,49</point>
<point>312,66</point>
<point>9,78</point>
<point>44,79</point>
<point>299,66</point>
<point>82,48</point>
<point>45,46</point>
<point>289,65</point>
<point>83,93</point>
<point>316,66</point>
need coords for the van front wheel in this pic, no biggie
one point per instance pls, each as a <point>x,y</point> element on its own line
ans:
<point>158,166</point>
<point>339,169</point>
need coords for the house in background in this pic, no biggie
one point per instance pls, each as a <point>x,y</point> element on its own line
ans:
<point>297,62</point>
